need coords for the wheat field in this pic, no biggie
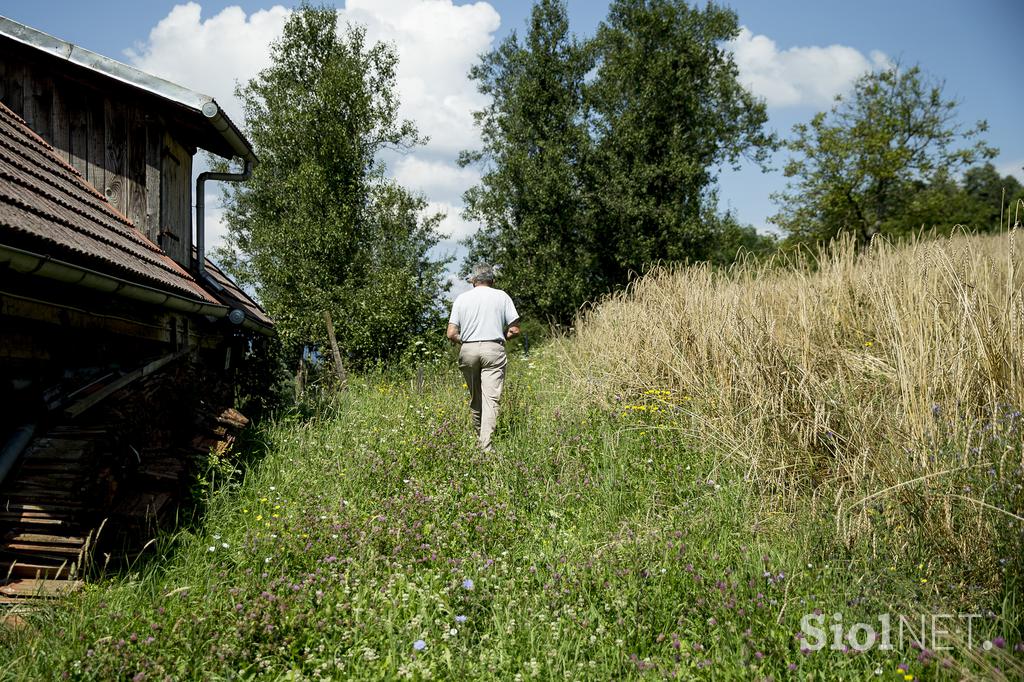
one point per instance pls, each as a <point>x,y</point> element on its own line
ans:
<point>884,385</point>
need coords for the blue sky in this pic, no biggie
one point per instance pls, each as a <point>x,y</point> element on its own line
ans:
<point>794,52</point>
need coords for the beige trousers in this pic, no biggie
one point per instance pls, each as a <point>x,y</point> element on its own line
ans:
<point>483,366</point>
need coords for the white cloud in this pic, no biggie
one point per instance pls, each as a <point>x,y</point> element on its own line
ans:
<point>799,76</point>
<point>453,226</point>
<point>210,55</point>
<point>439,180</point>
<point>437,42</point>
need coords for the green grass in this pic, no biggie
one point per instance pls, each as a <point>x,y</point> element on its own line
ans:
<point>595,544</point>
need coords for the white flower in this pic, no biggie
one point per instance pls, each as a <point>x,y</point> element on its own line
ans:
<point>211,548</point>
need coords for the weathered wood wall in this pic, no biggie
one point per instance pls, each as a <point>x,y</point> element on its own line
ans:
<point>125,150</point>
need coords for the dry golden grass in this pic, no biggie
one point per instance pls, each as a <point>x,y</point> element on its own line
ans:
<point>868,382</point>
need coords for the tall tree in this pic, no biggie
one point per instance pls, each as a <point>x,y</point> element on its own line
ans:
<point>531,197</point>
<point>880,161</point>
<point>668,111</point>
<point>600,156</point>
<point>318,227</point>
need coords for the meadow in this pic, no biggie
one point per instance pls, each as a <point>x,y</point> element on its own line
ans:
<point>708,463</point>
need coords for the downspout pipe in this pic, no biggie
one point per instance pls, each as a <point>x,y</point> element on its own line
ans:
<point>223,124</point>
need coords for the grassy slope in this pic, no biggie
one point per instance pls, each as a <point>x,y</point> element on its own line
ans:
<point>597,543</point>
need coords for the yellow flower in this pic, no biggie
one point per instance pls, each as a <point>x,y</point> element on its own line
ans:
<point>259,517</point>
<point>868,344</point>
<point>908,677</point>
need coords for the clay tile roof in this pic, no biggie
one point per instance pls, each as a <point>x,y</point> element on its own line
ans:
<point>45,203</point>
<point>233,296</point>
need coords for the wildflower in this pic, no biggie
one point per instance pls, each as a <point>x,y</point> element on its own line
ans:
<point>467,584</point>
<point>419,645</point>
<point>211,548</point>
<point>460,619</point>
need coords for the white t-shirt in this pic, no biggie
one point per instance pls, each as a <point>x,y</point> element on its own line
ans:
<point>482,314</point>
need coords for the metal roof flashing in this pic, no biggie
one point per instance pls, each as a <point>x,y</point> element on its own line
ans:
<point>135,78</point>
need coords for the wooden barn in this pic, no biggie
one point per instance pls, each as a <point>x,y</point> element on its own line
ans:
<point>119,339</point>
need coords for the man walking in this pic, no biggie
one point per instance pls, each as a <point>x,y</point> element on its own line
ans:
<point>481,320</point>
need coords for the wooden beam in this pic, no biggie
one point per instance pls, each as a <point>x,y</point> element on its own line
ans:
<point>338,366</point>
<point>97,140</point>
<point>14,86</point>
<point>13,306</point>
<point>39,104</point>
<point>89,401</point>
<point>136,169</point>
<point>154,149</point>
<point>78,130</point>
<point>116,154</point>
<point>61,122</point>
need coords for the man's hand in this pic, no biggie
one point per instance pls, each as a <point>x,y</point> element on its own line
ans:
<point>513,330</point>
<point>453,334</point>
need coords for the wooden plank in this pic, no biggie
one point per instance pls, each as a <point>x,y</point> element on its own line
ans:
<point>23,521</point>
<point>68,319</point>
<point>39,104</point>
<point>85,403</point>
<point>116,154</point>
<point>14,86</point>
<point>185,212</point>
<point>40,551</point>
<point>78,129</point>
<point>175,202</point>
<point>154,151</point>
<point>22,346</point>
<point>136,194</point>
<point>34,570</point>
<point>42,539</point>
<point>97,141</point>
<point>61,121</point>
<point>27,587</point>
<point>42,509</point>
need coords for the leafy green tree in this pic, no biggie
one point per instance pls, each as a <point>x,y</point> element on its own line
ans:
<point>880,161</point>
<point>668,110</point>
<point>600,156</point>
<point>989,196</point>
<point>319,228</point>
<point>532,198</point>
